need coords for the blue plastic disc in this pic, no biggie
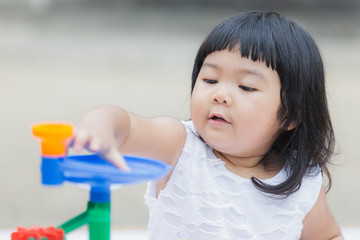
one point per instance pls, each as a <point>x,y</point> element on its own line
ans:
<point>93,170</point>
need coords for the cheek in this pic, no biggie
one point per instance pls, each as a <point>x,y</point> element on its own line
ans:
<point>194,106</point>
<point>196,101</point>
<point>196,112</point>
<point>258,119</point>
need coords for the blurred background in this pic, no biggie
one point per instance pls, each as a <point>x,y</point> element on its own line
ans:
<point>60,58</point>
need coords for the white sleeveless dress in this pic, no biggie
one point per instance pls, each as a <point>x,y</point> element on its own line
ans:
<point>204,201</point>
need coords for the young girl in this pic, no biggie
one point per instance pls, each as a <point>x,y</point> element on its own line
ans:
<point>249,164</point>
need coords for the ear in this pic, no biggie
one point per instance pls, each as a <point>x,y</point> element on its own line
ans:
<point>290,125</point>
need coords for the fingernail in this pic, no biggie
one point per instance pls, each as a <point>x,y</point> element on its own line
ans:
<point>125,167</point>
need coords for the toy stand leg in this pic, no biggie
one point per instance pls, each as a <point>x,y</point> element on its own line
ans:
<point>97,216</point>
<point>74,223</point>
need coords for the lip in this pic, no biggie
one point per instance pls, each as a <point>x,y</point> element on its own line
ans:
<point>217,119</point>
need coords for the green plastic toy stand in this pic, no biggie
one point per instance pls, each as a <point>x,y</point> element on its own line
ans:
<point>97,217</point>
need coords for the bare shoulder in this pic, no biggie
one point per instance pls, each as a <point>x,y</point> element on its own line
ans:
<point>319,223</point>
<point>162,138</point>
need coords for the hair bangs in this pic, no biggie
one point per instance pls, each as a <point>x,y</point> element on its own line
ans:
<point>250,36</point>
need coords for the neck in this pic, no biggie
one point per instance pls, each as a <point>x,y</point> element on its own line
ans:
<point>246,167</point>
<point>240,162</point>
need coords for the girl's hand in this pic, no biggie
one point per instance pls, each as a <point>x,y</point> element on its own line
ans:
<point>107,130</point>
<point>96,134</point>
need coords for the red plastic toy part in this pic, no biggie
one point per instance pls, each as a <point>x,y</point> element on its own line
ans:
<point>38,233</point>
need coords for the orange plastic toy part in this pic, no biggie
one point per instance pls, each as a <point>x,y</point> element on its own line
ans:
<point>54,137</point>
<point>38,233</point>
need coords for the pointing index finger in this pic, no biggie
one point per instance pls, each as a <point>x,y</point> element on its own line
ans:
<point>116,158</point>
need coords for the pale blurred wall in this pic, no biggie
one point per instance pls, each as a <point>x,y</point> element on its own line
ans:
<point>59,60</point>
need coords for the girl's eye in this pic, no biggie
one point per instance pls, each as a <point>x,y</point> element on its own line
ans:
<point>210,81</point>
<point>248,89</point>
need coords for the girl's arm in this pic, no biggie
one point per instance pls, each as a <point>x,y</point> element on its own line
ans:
<point>319,223</point>
<point>110,130</point>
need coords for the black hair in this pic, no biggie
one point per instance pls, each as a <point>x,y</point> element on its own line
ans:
<point>289,50</point>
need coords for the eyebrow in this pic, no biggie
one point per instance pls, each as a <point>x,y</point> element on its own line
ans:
<point>248,71</point>
<point>206,64</point>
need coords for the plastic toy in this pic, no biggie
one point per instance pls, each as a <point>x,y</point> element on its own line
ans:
<point>99,174</point>
<point>38,233</point>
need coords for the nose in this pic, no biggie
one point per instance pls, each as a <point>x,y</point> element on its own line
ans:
<point>221,97</point>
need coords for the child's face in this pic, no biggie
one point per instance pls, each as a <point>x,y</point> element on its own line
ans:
<point>234,104</point>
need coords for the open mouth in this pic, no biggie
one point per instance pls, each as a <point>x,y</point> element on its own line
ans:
<point>218,118</point>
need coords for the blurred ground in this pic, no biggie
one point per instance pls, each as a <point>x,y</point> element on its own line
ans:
<point>59,60</point>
